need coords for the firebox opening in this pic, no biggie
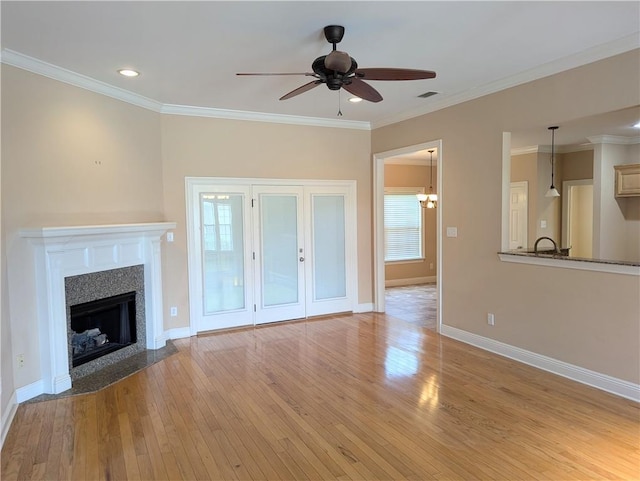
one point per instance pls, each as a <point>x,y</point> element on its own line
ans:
<point>102,326</point>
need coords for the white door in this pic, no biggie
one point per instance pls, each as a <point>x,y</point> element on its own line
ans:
<point>328,239</point>
<point>223,297</point>
<point>262,253</point>
<point>518,218</point>
<point>279,253</point>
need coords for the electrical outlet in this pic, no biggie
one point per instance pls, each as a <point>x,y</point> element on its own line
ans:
<point>431,266</point>
<point>491,319</point>
<point>20,359</point>
<point>174,311</point>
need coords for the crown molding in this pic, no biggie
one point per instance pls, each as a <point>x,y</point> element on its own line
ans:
<point>54,72</point>
<point>24,62</point>
<point>616,47</point>
<point>613,139</point>
<point>560,149</point>
<point>262,117</point>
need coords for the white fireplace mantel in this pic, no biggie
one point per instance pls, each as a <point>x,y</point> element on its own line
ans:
<point>61,252</point>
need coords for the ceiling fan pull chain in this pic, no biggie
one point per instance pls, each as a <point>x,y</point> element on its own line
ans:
<point>339,106</point>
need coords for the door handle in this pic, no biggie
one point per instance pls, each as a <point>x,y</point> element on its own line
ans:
<point>302,259</point>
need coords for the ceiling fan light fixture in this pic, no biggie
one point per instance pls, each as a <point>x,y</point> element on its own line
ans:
<point>338,61</point>
<point>355,100</point>
<point>637,125</point>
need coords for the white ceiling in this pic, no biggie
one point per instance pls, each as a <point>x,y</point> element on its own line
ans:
<point>188,52</point>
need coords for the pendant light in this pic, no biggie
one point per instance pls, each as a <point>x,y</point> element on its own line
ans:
<point>552,192</point>
<point>430,201</point>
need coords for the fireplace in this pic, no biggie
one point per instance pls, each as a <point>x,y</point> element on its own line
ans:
<point>79,264</point>
<point>101,327</point>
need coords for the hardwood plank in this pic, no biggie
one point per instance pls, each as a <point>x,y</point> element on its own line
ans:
<point>350,397</point>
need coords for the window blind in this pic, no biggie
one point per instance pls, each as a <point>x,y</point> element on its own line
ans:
<point>402,227</point>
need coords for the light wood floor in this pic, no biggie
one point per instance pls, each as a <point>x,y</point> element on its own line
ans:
<point>359,397</point>
<point>417,304</point>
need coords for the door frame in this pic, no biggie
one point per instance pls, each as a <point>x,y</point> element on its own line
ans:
<point>378,222</point>
<point>191,183</point>
<point>567,186</point>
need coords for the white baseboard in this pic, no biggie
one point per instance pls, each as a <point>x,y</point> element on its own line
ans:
<point>604,382</point>
<point>7,418</point>
<point>365,307</point>
<point>36,388</point>
<point>409,282</point>
<point>29,391</point>
<point>178,333</point>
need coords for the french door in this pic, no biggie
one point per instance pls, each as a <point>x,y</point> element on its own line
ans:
<point>262,253</point>
<point>279,253</point>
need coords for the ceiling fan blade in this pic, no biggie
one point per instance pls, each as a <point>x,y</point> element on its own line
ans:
<point>301,90</point>
<point>394,74</point>
<point>363,90</point>
<point>308,74</point>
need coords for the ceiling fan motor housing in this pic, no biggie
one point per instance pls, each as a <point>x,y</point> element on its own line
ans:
<point>334,33</point>
<point>333,78</point>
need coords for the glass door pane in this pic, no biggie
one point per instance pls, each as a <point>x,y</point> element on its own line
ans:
<point>279,250</point>
<point>222,252</point>
<point>329,268</point>
<point>279,254</point>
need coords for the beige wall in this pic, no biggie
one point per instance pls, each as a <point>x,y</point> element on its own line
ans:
<point>201,147</point>
<point>588,319</point>
<point>398,175</point>
<point>69,157</point>
<point>576,165</point>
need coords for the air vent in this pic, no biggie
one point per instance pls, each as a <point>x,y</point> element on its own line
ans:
<point>427,95</point>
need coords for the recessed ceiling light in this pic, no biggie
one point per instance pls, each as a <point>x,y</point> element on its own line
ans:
<point>127,72</point>
<point>355,100</point>
<point>637,126</point>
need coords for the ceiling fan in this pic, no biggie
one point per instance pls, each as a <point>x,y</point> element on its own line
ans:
<point>338,70</point>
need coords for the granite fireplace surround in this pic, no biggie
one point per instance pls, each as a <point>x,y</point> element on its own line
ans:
<point>70,263</point>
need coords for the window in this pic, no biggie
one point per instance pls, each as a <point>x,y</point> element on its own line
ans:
<point>217,224</point>
<point>403,236</point>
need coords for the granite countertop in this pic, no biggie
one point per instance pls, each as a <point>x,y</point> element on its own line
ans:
<point>551,254</point>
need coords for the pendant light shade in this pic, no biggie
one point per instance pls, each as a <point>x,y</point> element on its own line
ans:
<point>430,200</point>
<point>552,192</point>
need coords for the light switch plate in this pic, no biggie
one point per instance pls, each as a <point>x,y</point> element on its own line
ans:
<point>452,232</point>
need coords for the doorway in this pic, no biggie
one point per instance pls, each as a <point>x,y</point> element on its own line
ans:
<point>265,250</point>
<point>577,217</point>
<point>379,160</point>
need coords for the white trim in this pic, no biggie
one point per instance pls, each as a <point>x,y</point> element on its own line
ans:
<point>60,252</point>
<point>599,52</point>
<point>194,183</point>
<point>262,117</point>
<point>177,333</point>
<point>363,307</point>
<point>410,281</point>
<point>604,382</point>
<point>34,65</point>
<point>7,417</point>
<point>613,139</point>
<point>569,263</point>
<point>16,59</point>
<point>378,221</point>
<point>29,391</point>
